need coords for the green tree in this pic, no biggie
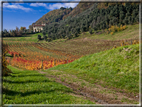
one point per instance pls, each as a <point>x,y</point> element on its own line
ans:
<point>45,38</point>
<point>39,37</point>
<point>91,31</point>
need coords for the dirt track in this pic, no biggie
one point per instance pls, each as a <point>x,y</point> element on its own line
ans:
<point>95,92</point>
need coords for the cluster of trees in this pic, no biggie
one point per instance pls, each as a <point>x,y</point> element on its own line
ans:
<point>62,8</point>
<point>93,19</point>
<point>79,9</point>
<point>12,33</point>
<point>44,38</point>
<point>16,33</point>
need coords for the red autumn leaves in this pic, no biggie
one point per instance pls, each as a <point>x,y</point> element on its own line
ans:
<point>34,64</point>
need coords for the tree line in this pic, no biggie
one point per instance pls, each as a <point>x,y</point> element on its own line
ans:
<point>17,32</point>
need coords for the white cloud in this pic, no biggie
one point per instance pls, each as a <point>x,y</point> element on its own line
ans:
<point>54,6</point>
<point>16,6</point>
<point>38,4</point>
<point>59,5</point>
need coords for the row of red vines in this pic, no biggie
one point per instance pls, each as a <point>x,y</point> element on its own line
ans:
<point>34,65</point>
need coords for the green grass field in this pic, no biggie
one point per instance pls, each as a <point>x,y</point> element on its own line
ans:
<point>30,87</point>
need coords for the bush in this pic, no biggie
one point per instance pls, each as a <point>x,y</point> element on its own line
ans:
<point>111,33</point>
<point>91,31</point>
<point>114,29</point>
<point>39,37</point>
<point>45,38</point>
<point>49,39</point>
<point>69,36</point>
<point>76,34</point>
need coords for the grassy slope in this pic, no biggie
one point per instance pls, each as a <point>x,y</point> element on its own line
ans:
<point>117,68</point>
<point>30,87</point>
<point>131,32</point>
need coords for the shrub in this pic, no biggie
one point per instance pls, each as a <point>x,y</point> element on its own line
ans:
<point>91,31</point>
<point>39,37</point>
<point>114,29</point>
<point>111,33</point>
<point>45,38</point>
<point>124,27</point>
<point>49,39</point>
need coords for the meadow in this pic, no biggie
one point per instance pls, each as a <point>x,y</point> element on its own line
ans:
<point>30,87</point>
<point>90,69</point>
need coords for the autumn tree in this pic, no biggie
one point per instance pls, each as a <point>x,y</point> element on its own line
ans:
<point>30,28</point>
<point>22,29</point>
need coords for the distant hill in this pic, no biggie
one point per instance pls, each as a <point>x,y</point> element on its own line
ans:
<point>54,16</point>
<point>63,13</point>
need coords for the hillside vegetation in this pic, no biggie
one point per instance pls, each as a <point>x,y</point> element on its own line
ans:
<point>93,20</point>
<point>62,13</point>
<point>79,9</point>
<point>54,16</point>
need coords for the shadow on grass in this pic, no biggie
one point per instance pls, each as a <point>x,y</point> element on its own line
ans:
<point>42,39</point>
<point>23,35</point>
<point>22,82</point>
<point>14,93</point>
<point>27,75</point>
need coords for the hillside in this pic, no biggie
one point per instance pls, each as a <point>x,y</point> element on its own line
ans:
<point>112,75</point>
<point>53,16</point>
<point>93,20</point>
<point>79,9</point>
<point>61,14</point>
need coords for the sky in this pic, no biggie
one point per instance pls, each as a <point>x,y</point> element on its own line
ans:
<point>24,14</point>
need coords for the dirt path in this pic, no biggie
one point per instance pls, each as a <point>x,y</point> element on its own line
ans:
<point>93,92</point>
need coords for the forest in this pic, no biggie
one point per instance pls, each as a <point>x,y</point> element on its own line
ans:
<point>92,20</point>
